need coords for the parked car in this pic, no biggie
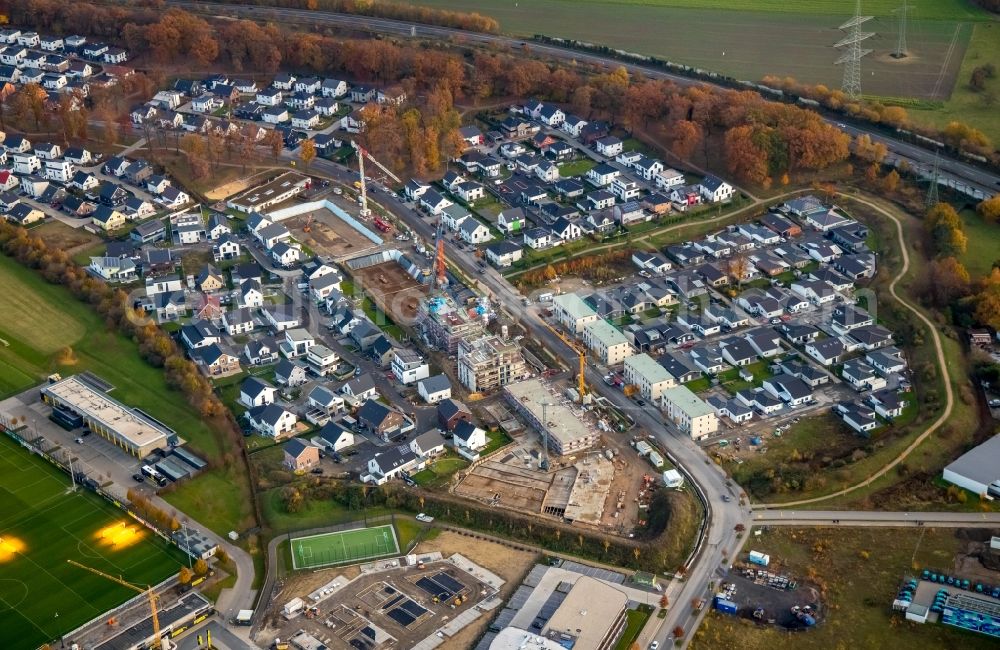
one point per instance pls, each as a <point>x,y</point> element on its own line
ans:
<point>995,403</point>
<point>138,478</point>
<point>425,518</point>
<point>79,441</point>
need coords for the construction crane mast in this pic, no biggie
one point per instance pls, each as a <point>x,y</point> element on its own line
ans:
<point>581,381</point>
<point>362,154</point>
<point>150,595</point>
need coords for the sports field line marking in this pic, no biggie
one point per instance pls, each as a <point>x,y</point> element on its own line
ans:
<point>24,616</point>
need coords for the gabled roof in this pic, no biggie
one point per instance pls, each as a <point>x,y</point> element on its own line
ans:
<point>254,387</point>
<point>435,384</point>
<point>450,407</point>
<point>296,446</point>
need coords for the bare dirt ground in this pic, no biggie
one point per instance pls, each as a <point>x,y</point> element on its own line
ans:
<point>392,289</point>
<point>328,235</point>
<point>509,564</point>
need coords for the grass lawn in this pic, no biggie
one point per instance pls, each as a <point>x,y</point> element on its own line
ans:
<point>984,241</point>
<point>381,319</point>
<point>635,621</point>
<point>494,440</point>
<point>965,105</point>
<point>43,526</point>
<point>759,370</point>
<point>857,591</point>
<point>440,471</point>
<point>576,168</point>
<point>314,513</point>
<point>58,235</point>
<point>699,385</point>
<point>37,319</point>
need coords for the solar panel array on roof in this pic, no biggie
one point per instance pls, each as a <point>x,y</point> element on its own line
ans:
<point>552,603</point>
<point>393,601</point>
<point>435,588</point>
<point>368,632</point>
<point>534,576</point>
<point>594,572</point>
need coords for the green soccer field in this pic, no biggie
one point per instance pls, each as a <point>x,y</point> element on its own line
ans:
<point>41,527</point>
<point>344,547</point>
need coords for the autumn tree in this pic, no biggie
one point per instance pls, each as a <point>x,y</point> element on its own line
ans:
<point>869,151</point>
<point>200,567</point>
<point>307,152</point>
<point>946,230</point>
<point>686,137</point>
<point>948,281</point>
<point>890,182</point>
<point>185,575</point>
<point>989,209</point>
<point>274,142</point>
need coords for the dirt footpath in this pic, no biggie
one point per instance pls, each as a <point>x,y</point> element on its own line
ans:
<point>509,564</point>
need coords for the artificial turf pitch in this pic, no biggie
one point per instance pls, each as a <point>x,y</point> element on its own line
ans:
<point>342,547</point>
<point>41,527</point>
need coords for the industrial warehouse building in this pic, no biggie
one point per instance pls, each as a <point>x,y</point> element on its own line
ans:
<point>565,430</point>
<point>644,372</point>
<point>691,415</point>
<point>131,429</point>
<point>978,470</point>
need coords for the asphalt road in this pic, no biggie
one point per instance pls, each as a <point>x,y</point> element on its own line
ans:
<point>703,475</point>
<point>953,172</point>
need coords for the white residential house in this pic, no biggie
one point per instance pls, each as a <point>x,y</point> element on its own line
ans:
<point>609,146</point>
<point>602,175</point>
<point>434,389</point>
<point>269,97</point>
<point>467,435</point>
<point>469,192</point>
<point>238,321</point>
<point>256,392</point>
<point>715,190</point>
<point>409,366</point>
<point>59,170</point>
<point>335,88</point>
<point>668,179</point>
<point>26,163</point>
<point>474,231</point>
<point>625,189</point>
<point>272,420</point>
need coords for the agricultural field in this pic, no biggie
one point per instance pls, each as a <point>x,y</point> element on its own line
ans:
<point>858,571</point>
<point>965,105</point>
<point>786,38</point>
<point>42,526</point>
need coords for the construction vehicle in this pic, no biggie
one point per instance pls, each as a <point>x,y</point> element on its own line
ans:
<point>362,183</point>
<point>382,224</point>
<point>581,384</point>
<point>148,590</point>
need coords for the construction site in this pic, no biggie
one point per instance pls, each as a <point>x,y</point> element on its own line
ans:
<point>410,602</point>
<point>600,481</point>
<point>389,278</point>
<point>327,234</point>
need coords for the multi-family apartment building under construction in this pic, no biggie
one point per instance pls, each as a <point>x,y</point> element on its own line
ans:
<point>445,323</point>
<point>487,363</point>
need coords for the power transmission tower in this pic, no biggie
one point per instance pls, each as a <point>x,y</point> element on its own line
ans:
<point>851,58</point>
<point>903,14</point>
<point>932,198</point>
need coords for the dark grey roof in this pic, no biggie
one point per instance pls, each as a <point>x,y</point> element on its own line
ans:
<point>435,383</point>
<point>450,407</point>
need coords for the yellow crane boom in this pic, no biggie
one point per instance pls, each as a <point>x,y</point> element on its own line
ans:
<point>581,383</point>
<point>147,590</point>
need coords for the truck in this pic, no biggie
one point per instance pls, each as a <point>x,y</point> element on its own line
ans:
<point>382,224</point>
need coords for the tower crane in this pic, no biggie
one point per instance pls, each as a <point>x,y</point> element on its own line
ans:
<point>362,154</point>
<point>150,595</point>
<point>581,382</point>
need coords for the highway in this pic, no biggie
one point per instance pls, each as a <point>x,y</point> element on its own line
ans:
<point>954,173</point>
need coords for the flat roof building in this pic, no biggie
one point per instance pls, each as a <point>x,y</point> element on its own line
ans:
<point>648,375</point>
<point>566,431</point>
<point>129,428</point>
<point>489,362</point>
<point>592,615</point>
<point>572,312</point>
<point>691,415</point>
<point>607,342</point>
<point>978,470</point>
<point>273,192</point>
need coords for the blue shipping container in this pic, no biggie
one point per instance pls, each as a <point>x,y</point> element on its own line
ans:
<point>727,606</point>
